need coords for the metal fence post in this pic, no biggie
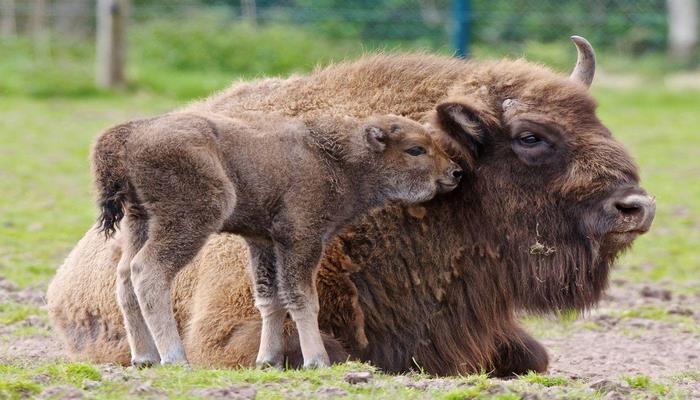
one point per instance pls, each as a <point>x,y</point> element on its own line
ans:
<point>461,14</point>
<point>111,42</point>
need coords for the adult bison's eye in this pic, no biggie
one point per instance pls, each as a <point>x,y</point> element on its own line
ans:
<point>529,139</point>
<point>416,151</point>
<point>535,143</point>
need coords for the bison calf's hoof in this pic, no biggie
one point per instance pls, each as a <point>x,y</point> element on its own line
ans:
<point>319,361</point>
<point>143,363</point>
<point>175,359</point>
<point>269,364</point>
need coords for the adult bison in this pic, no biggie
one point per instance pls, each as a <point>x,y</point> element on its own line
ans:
<point>550,202</point>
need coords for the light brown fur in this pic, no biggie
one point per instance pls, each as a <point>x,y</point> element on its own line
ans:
<point>438,285</point>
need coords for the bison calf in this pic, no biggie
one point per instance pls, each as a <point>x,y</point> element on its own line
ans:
<point>287,187</point>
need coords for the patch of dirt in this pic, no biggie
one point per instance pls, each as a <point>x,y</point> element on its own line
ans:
<point>63,392</point>
<point>10,292</point>
<point>636,330</point>
<point>22,349</point>
<point>30,350</point>
<point>237,392</point>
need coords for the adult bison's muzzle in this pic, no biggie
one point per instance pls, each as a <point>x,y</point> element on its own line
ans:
<point>634,209</point>
<point>625,214</point>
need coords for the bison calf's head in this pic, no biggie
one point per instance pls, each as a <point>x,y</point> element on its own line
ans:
<point>410,164</point>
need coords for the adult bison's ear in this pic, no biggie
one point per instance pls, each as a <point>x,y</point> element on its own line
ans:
<point>467,123</point>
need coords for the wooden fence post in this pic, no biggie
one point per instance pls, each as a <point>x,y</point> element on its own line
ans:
<point>683,29</point>
<point>8,22</point>
<point>249,12</point>
<point>111,42</point>
<point>38,21</point>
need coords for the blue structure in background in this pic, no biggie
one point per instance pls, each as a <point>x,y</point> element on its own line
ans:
<point>461,12</point>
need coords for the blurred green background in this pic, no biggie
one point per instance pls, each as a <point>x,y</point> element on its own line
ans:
<point>188,48</point>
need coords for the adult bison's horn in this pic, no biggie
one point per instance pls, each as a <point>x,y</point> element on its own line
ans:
<point>585,63</point>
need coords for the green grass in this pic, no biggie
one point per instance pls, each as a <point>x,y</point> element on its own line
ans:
<point>11,312</point>
<point>544,380</point>
<point>74,374</point>
<point>183,383</point>
<point>644,382</point>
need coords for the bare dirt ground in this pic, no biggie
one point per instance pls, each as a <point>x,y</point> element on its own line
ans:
<point>637,330</point>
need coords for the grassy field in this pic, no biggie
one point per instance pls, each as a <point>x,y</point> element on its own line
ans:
<point>46,205</point>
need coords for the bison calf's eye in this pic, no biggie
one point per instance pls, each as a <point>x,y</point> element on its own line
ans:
<point>529,139</point>
<point>416,151</point>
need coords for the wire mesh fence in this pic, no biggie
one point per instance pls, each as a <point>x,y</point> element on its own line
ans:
<point>630,26</point>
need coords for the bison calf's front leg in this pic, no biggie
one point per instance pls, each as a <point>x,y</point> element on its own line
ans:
<point>272,312</point>
<point>297,266</point>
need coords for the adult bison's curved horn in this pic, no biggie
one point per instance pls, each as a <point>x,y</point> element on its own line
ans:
<point>585,63</point>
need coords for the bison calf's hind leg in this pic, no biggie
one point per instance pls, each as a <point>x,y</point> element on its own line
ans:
<point>143,349</point>
<point>272,312</point>
<point>153,269</point>
<point>297,289</point>
<point>186,204</point>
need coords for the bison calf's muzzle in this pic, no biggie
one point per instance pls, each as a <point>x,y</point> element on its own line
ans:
<point>451,179</point>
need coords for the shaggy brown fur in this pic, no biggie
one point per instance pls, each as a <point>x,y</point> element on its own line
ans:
<point>438,286</point>
<point>285,186</point>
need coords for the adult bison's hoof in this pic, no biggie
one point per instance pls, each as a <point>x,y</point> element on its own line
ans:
<point>522,355</point>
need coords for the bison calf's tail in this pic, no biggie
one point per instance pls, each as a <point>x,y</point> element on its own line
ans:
<point>111,179</point>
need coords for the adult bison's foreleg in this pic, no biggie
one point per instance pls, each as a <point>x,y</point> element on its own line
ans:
<point>522,353</point>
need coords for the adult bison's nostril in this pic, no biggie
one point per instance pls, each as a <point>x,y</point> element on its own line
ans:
<point>457,173</point>
<point>629,208</point>
<point>638,210</point>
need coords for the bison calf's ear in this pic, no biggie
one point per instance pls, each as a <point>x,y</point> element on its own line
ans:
<point>376,137</point>
<point>466,124</point>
